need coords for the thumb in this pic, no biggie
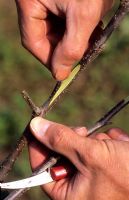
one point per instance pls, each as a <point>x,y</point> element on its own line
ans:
<point>63,140</point>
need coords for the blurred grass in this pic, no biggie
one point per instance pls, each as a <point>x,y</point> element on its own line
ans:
<point>103,84</point>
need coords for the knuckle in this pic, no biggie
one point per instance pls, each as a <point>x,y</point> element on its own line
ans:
<point>83,15</point>
<point>74,54</point>
<point>85,153</point>
<point>86,14</point>
<point>58,137</point>
<point>92,153</point>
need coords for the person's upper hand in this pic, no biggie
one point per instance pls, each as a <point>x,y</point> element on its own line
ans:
<point>102,162</point>
<point>57,32</point>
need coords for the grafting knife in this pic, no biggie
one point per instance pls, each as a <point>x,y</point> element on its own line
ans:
<point>52,174</point>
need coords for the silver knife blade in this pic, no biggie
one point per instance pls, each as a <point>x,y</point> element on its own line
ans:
<point>40,179</point>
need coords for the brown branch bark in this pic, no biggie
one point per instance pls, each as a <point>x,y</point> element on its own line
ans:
<point>92,53</point>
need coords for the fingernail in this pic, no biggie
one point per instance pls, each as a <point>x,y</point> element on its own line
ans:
<point>39,126</point>
<point>81,131</point>
<point>81,128</point>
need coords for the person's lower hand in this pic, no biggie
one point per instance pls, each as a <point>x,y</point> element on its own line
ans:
<point>102,162</point>
<point>59,40</point>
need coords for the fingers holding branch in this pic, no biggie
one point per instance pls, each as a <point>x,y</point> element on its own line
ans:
<point>78,149</point>
<point>39,33</point>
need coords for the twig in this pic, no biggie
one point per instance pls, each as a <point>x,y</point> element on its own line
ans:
<point>34,108</point>
<point>105,120</point>
<point>93,52</point>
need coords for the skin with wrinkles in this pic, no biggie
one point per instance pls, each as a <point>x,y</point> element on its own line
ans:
<point>57,32</point>
<point>102,161</point>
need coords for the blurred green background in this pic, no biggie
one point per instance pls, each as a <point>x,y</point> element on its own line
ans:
<point>103,84</point>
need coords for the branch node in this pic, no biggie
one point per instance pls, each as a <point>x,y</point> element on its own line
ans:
<point>36,110</point>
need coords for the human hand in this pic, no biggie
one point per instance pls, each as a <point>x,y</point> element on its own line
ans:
<point>102,162</point>
<point>57,32</point>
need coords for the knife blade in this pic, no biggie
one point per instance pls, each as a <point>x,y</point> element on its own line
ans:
<point>40,179</point>
<point>52,174</point>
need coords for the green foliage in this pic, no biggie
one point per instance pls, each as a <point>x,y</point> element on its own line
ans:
<point>103,84</point>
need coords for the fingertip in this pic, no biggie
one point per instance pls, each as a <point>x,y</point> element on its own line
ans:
<point>34,123</point>
<point>39,126</point>
<point>61,73</point>
<point>64,58</point>
<point>118,134</point>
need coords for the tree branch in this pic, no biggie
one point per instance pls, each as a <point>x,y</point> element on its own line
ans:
<point>89,56</point>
